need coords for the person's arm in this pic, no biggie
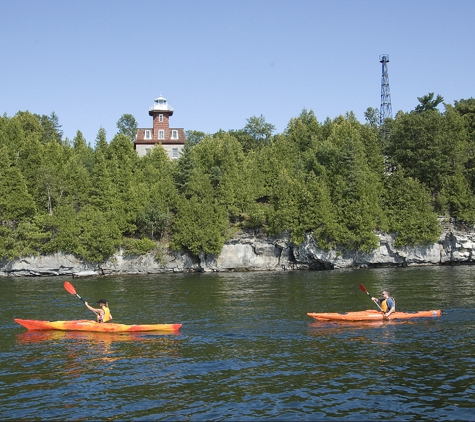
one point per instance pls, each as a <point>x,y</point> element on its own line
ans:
<point>96,311</point>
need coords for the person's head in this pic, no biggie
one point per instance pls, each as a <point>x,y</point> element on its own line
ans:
<point>385,294</point>
<point>102,302</point>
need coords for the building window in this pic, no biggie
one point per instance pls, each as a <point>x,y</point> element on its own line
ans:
<point>147,150</point>
<point>174,134</point>
<point>148,134</point>
<point>161,134</point>
<point>174,152</point>
<point>160,117</point>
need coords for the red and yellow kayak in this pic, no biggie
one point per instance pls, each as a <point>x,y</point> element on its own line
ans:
<point>87,325</point>
<point>371,315</point>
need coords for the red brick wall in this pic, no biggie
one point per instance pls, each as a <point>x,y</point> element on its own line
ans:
<point>157,125</point>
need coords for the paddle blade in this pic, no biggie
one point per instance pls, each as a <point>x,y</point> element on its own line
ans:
<point>363,288</point>
<point>69,287</point>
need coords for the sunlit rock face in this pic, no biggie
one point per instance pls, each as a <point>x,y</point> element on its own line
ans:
<point>251,252</point>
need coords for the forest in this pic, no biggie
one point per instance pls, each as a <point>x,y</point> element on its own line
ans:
<point>339,180</point>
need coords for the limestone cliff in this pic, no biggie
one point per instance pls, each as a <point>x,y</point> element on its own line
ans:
<point>252,252</point>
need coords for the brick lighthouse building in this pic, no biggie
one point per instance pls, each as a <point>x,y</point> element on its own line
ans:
<point>171,139</point>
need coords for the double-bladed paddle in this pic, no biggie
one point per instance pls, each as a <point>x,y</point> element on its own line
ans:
<point>366,291</point>
<point>70,288</point>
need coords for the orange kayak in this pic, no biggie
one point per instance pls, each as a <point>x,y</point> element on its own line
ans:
<point>87,325</point>
<point>371,315</point>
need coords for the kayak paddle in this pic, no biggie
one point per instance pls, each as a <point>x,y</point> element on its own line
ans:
<point>366,291</point>
<point>70,288</point>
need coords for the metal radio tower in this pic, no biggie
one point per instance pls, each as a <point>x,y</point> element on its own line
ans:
<point>386,110</point>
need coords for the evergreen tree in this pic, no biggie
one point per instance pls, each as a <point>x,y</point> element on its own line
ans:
<point>304,131</point>
<point>428,146</point>
<point>83,151</point>
<point>156,194</point>
<point>193,137</point>
<point>184,167</point>
<point>200,223</point>
<point>100,236</point>
<point>326,180</point>
<point>16,204</point>
<point>410,214</point>
<point>103,194</point>
<point>51,176</point>
<point>466,109</point>
<point>121,161</point>
<point>51,128</point>
<point>64,231</point>
<point>428,103</point>
<point>127,126</point>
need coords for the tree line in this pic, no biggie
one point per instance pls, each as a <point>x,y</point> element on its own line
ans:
<point>340,181</point>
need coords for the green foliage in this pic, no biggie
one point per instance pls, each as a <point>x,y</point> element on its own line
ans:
<point>15,201</point>
<point>409,212</point>
<point>428,146</point>
<point>255,134</point>
<point>121,162</point>
<point>155,193</point>
<point>137,247</point>
<point>9,248</point>
<point>63,231</point>
<point>152,220</point>
<point>354,185</point>
<point>457,197</point>
<point>199,227</point>
<point>466,109</point>
<point>51,177</point>
<point>127,126</point>
<point>259,130</point>
<point>301,204</point>
<point>161,252</point>
<point>184,167</point>
<point>99,237</point>
<point>200,222</point>
<point>428,103</point>
<point>304,131</point>
<point>51,127</point>
<point>22,240</point>
<point>77,178</point>
<point>193,137</point>
<point>339,181</point>
<point>371,116</point>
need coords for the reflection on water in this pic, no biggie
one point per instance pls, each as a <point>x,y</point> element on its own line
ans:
<point>90,337</point>
<point>247,349</point>
<point>319,326</point>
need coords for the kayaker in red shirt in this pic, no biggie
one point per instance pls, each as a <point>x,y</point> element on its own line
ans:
<point>103,314</point>
<point>387,303</point>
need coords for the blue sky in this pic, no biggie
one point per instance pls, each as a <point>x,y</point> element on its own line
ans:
<point>220,62</point>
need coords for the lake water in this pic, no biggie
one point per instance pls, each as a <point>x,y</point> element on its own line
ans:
<point>246,351</point>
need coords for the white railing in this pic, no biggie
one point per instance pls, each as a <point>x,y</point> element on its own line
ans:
<point>160,107</point>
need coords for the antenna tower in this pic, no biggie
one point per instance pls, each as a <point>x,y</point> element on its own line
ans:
<point>386,110</point>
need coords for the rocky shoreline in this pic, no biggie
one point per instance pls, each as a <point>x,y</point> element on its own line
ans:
<point>252,252</point>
